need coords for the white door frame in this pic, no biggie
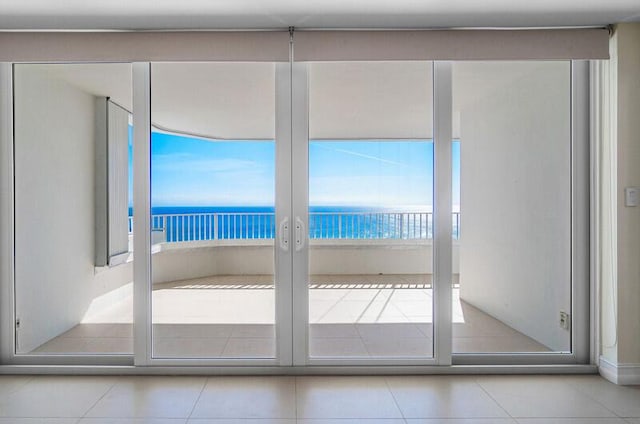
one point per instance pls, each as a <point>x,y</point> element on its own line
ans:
<point>581,290</point>
<point>300,209</point>
<point>143,341</point>
<point>292,267</point>
<point>442,243</point>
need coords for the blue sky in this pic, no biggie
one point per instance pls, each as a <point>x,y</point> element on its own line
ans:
<point>193,172</point>
<point>371,173</point>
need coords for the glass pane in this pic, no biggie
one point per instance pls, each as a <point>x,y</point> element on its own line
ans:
<point>73,262</point>
<point>370,209</point>
<point>512,170</point>
<point>213,210</point>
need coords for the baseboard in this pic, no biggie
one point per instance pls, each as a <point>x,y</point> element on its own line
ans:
<point>622,374</point>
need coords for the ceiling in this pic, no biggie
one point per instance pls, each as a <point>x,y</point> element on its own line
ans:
<point>223,14</point>
<point>346,99</point>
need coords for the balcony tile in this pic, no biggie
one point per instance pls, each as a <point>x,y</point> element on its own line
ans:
<point>398,347</point>
<point>188,347</point>
<point>388,330</point>
<point>332,330</point>
<point>335,346</point>
<point>110,345</point>
<point>180,331</point>
<point>246,347</point>
<point>253,330</point>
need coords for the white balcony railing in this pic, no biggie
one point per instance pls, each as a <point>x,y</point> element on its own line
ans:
<point>399,225</point>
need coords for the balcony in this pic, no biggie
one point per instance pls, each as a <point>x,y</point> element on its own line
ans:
<point>370,141</point>
<point>370,291</point>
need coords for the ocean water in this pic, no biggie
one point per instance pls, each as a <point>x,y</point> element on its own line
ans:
<point>189,223</point>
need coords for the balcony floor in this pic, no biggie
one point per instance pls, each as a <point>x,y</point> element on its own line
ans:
<point>233,316</point>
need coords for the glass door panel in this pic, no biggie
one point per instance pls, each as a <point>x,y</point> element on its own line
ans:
<point>512,187</point>
<point>213,210</point>
<point>73,264</point>
<point>370,199</point>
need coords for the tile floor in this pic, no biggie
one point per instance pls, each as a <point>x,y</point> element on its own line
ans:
<point>317,400</point>
<point>350,315</point>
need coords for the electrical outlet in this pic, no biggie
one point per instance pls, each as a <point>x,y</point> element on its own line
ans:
<point>631,196</point>
<point>564,320</point>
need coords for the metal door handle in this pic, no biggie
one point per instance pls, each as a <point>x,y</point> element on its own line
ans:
<point>284,234</point>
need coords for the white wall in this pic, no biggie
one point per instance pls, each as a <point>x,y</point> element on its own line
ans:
<point>176,261</point>
<point>606,194</point>
<point>54,206</point>
<point>620,281</point>
<point>515,193</point>
<point>183,261</point>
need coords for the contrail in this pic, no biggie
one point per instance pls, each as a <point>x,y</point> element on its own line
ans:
<point>362,155</point>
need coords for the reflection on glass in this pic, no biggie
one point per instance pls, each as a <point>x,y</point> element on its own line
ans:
<point>370,209</point>
<point>213,210</point>
<point>513,257</point>
<point>73,269</point>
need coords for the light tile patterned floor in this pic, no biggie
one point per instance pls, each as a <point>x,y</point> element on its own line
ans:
<point>350,315</point>
<point>317,400</point>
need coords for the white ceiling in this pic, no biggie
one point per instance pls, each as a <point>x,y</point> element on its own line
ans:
<point>346,99</point>
<point>237,100</point>
<point>213,14</point>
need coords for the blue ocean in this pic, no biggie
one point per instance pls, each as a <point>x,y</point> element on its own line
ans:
<point>194,223</point>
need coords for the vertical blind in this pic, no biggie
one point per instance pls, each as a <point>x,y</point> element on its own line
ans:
<point>111,183</point>
<point>118,180</point>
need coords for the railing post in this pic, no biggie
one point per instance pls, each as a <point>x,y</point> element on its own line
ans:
<point>215,226</point>
<point>164,228</point>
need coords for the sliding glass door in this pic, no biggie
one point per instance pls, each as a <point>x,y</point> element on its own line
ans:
<point>73,270</point>
<point>370,211</point>
<point>217,271</point>
<point>513,291</point>
<point>441,206</point>
<point>213,219</point>
<point>320,213</point>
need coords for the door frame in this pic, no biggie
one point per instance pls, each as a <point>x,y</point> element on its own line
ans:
<point>143,339</point>
<point>291,127</point>
<point>580,274</point>
<point>442,239</point>
<point>442,242</point>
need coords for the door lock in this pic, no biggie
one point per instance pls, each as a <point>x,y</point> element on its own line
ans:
<point>300,234</point>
